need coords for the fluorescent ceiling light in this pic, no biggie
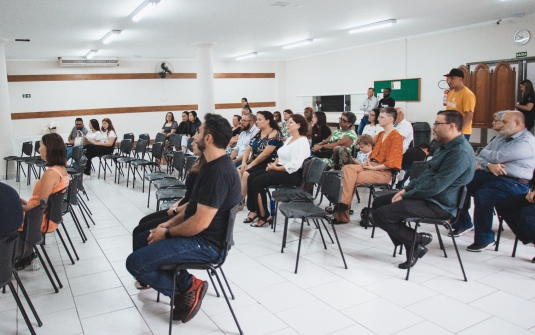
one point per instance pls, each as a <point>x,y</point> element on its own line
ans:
<point>90,54</point>
<point>143,9</point>
<point>110,36</point>
<point>249,55</point>
<point>297,44</point>
<point>375,25</point>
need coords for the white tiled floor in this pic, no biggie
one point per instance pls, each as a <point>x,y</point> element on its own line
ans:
<point>370,297</point>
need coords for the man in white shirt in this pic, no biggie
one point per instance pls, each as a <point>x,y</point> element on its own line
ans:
<point>248,122</point>
<point>367,105</point>
<point>404,127</point>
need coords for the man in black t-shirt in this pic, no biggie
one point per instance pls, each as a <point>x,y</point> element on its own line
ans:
<point>197,235</point>
<point>386,101</point>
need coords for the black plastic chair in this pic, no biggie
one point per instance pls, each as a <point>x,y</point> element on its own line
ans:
<point>157,152</point>
<point>461,198</point>
<point>26,155</point>
<point>331,187</point>
<point>110,151</point>
<point>55,213</point>
<point>125,150</point>
<point>211,268</point>
<point>173,143</point>
<point>500,229</point>
<point>34,163</point>
<point>139,153</point>
<point>7,250</point>
<point>70,200</point>
<point>157,149</point>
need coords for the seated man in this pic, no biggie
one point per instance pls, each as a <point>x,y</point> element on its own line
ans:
<point>385,157</point>
<point>433,194</point>
<point>405,129</point>
<point>504,168</point>
<point>198,233</point>
<point>249,128</point>
<point>78,126</point>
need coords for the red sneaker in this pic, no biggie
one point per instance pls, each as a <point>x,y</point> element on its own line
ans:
<point>190,301</point>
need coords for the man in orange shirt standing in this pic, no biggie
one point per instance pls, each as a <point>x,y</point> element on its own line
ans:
<point>461,99</point>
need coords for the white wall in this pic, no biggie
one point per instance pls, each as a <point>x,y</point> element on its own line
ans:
<point>89,94</point>
<point>428,58</point>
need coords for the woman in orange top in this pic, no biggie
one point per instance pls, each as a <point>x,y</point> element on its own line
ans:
<point>385,157</point>
<point>55,178</point>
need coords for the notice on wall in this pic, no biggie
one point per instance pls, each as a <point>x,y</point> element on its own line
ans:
<point>396,85</point>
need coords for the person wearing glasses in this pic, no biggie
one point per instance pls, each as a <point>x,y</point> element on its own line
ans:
<point>385,157</point>
<point>249,128</point>
<point>433,194</point>
<point>504,169</point>
<point>344,137</point>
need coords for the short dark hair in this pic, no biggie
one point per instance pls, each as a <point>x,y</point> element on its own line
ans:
<point>288,111</point>
<point>56,155</point>
<point>387,88</point>
<point>453,116</point>
<point>424,146</point>
<point>371,88</point>
<point>79,119</point>
<point>219,128</point>
<point>252,116</point>
<point>391,111</point>
<point>365,139</point>
<point>94,124</point>
<point>245,100</point>
<point>303,124</point>
<point>351,118</point>
<point>239,117</point>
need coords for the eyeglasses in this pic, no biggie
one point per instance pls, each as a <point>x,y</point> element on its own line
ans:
<point>343,120</point>
<point>436,124</point>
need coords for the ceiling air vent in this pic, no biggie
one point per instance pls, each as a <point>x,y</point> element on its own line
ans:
<point>280,4</point>
<point>66,62</point>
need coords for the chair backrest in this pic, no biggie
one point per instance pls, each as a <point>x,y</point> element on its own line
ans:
<point>141,148</point>
<point>178,161</point>
<point>33,218</point>
<point>190,142</point>
<point>331,186</point>
<point>418,167</point>
<point>144,137</point>
<point>157,150</point>
<point>54,210</point>
<point>433,146</point>
<point>36,148</point>
<point>126,147</point>
<point>111,148</point>
<point>77,153</point>
<point>315,171</point>
<point>160,137</point>
<point>229,238</point>
<point>174,140</point>
<point>461,202</point>
<point>129,136</point>
<point>27,148</point>
<point>7,250</point>
<point>72,191</point>
<point>190,161</point>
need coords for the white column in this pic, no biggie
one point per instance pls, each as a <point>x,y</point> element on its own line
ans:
<point>205,77</point>
<point>6,130</point>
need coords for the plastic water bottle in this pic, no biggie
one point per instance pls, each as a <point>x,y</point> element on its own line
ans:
<point>272,206</point>
<point>36,265</point>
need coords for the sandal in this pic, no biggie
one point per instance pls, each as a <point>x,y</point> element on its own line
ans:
<point>265,222</point>
<point>250,219</point>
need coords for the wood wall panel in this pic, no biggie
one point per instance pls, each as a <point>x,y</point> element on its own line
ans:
<point>503,88</point>
<point>122,76</point>
<point>481,82</point>
<point>125,110</point>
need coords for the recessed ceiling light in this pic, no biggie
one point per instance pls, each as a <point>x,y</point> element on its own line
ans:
<point>90,54</point>
<point>110,36</point>
<point>22,40</point>
<point>297,44</point>
<point>143,9</point>
<point>375,25</point>
<point>249,55</point>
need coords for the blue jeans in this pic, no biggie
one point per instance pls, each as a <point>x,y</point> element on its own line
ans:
<point>69,153</point>
<point>363,122</point>
<point>487,189</point>
<point>143,263</point>
<point>407,169</point>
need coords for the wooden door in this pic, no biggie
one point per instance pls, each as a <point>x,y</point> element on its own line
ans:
<point>481,86</point>
<point>503,88</point>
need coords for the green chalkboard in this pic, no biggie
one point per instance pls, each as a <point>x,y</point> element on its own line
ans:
<point>409,88</point>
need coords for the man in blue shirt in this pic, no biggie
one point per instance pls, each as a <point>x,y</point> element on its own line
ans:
<point>434,193</point>
<point>504,168</point>
<point>367,105</point>
<point>249,129</point>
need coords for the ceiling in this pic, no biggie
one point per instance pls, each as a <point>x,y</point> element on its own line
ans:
<point>70,28</point>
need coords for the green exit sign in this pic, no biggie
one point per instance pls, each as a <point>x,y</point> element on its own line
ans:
<point>26,96</point>
<point>521,54</point>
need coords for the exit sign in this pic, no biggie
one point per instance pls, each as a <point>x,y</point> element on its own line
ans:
<point>26,96</point>
<point>521,54</point>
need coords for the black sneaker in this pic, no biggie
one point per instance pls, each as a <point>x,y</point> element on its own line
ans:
<point>190,301</point>
<point>460,231</point>
<point>476,247</point>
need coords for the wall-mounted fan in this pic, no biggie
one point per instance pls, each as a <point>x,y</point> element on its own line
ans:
<point>164,69</point>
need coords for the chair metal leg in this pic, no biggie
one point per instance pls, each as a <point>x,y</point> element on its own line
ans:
<point>213,284</point>
<point>284,234</point>
<point>327,230</point>
<point>49,264</point>
<point>22,310</point>
<point>228,302</point>
<point>148,198</point>
<point>172,303</point>
<point>457,251</point>
<point>339,246</point>
<point>43,264</point>
<point>70,241</point>
<point>228,286</point>
<point>514,248</point>
<point>27,297</point>
<point>299,245</point>
<point>65,246</point>
<point>319,228</point>
<point>78,225</point>
<point>441,243</point>
<point>411,253</point>
<point>500,229</point>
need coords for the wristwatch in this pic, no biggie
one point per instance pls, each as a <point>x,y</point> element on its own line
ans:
<point>167,234</point>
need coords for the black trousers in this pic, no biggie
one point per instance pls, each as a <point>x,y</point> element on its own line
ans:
<point>94,151</point>
<point>389,217</point>
<point>259,180</point>
<point>519,214</point>
<point>148,222</point>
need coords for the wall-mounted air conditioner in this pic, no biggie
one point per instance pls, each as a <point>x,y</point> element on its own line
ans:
<point>79,62</point>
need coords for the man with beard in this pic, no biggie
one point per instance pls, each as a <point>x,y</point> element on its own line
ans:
<point>432,195</point>
<point>504,168</point>
<point>249,128</point>
<point>386,101</point>
<point>196,235</point>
